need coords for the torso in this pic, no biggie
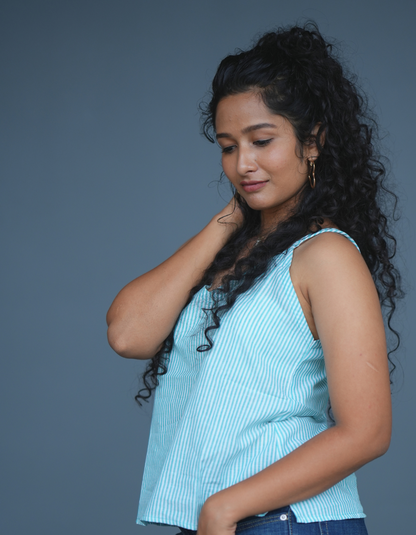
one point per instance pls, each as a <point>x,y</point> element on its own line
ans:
<point>258,393</point>
<point>298,274</point>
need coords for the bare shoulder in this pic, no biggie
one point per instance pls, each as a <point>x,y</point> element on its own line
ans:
<point>327,244</point>
<point>326,252</point>
<point>331,263</point>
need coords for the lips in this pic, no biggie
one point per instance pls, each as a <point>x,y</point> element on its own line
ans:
<point>252,186</point>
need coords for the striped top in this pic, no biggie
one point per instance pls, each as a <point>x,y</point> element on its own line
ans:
<point>223,415</point>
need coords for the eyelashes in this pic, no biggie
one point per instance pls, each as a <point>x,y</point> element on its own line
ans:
<point>262,142</point>
<point>227,150</point>
<point>257,143</point>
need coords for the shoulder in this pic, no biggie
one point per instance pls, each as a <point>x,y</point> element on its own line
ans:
<point>327,248</point>
<point>329,260</point>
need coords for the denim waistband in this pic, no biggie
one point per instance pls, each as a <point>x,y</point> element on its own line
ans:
<point>283,521</point>
<point>283,514</point>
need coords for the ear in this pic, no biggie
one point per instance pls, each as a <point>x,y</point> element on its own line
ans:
<point>311,149</point>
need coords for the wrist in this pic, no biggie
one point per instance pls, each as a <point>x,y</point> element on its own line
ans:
<point>224,507</point>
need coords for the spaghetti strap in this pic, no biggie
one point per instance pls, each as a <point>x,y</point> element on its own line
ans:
<point>322,231</point>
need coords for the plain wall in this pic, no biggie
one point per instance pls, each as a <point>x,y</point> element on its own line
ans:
<point>103,175</point>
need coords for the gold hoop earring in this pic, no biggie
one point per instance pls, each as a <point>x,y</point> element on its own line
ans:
<point>311,175</point>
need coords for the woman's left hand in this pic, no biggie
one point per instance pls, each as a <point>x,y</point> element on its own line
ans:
<point>216,518</point>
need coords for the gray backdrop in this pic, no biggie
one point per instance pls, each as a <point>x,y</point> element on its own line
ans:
<point>103,175</point>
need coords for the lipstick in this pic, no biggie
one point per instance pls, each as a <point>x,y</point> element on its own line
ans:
<point>252,186</point>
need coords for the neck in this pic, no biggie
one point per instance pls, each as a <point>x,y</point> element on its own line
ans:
<point>270,221</point>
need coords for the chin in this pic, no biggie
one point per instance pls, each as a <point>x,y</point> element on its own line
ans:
<point>257,205</point>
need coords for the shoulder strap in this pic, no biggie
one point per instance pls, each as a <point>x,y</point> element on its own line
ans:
<point>309,236</point>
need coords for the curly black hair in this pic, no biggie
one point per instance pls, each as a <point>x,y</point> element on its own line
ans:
<point>298,76</point>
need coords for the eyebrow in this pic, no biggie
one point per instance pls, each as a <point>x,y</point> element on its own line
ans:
<point>249,129</point>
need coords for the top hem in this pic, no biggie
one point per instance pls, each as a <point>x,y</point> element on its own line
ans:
<point>192,527</point>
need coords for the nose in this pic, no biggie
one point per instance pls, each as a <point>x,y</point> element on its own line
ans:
<point>246,161</point>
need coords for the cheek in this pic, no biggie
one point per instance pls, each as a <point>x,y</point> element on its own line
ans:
<point>278,158</point>
<point>281,161</point>
<point>291,167</point>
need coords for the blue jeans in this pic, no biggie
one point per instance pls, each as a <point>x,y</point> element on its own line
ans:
<point>283,522</point>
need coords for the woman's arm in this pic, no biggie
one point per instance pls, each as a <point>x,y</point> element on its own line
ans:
<point>335,281</point>
<point>145,311</point>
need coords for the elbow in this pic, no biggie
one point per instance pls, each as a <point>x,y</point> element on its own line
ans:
<point>364,444</point>
<point>124,346</point>
<point>118,343</point>
<point>381,445</point>
<point>382,433</point>
<point>376,443</point>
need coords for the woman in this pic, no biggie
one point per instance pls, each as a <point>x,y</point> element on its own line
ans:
<point>272,310</point>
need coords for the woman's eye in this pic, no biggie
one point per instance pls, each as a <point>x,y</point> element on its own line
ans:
<point>262,142</point>
<point>227,150</point>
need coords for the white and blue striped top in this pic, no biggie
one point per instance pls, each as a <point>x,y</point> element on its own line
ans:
<point>223,415</point>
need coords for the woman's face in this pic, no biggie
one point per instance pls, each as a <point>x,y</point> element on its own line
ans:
<point>261,155</point>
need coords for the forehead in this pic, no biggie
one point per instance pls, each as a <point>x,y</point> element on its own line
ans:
<point>237,112</point>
